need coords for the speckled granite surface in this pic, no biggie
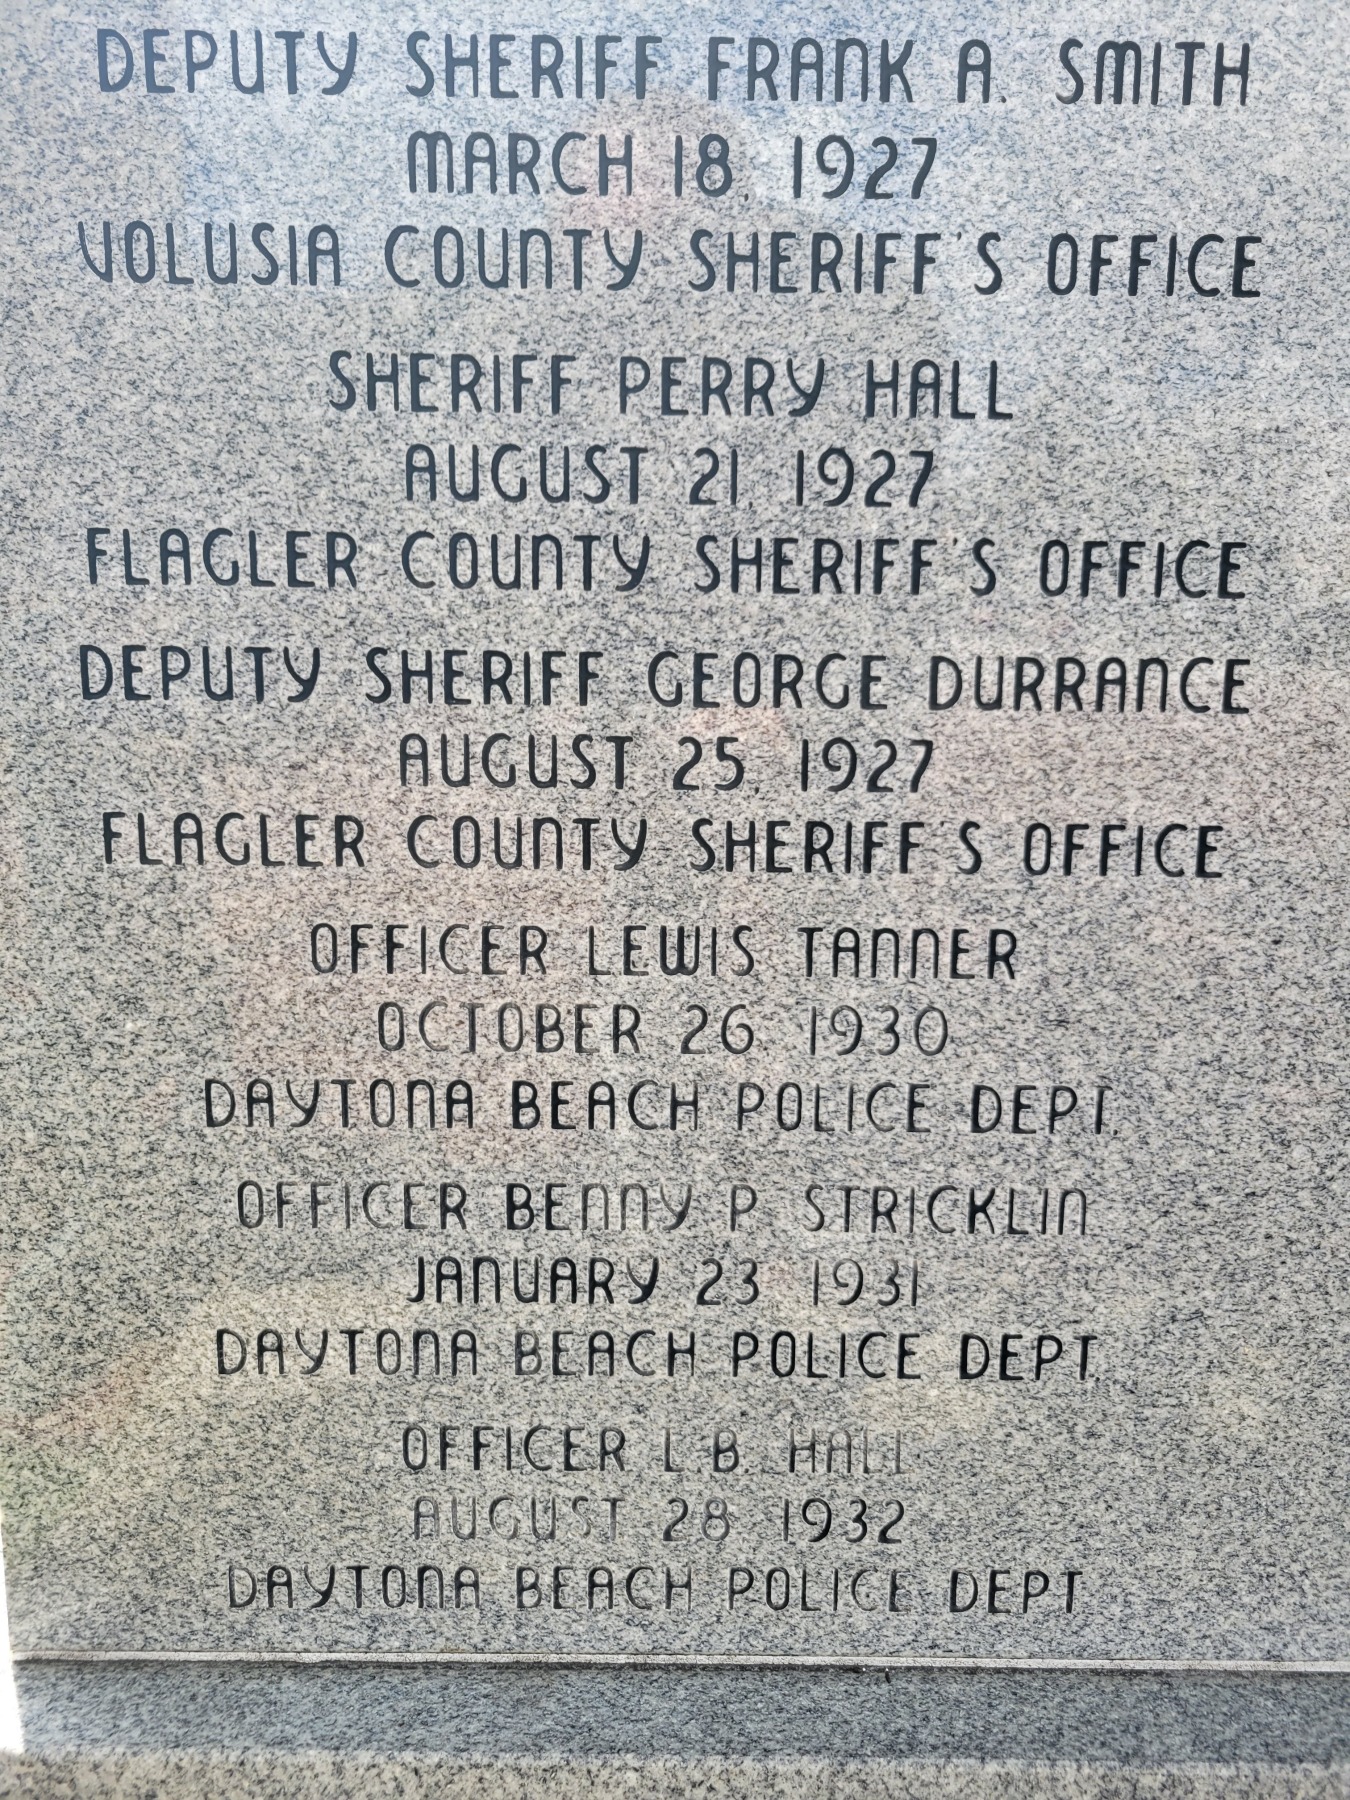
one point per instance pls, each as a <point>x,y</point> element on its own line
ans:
<point>208,1732</point>
<point>898,536</point>
<point>223,1778</point>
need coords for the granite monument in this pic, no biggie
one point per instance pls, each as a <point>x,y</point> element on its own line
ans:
<point>675,716</point>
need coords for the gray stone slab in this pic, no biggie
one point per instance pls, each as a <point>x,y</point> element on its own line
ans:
<point>209,1731</point>
<point>674,967</point>
<point>851,1716</point>
<point>131,1778</point>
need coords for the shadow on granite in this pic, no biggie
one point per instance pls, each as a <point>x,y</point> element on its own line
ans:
<point>599,1713</point>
